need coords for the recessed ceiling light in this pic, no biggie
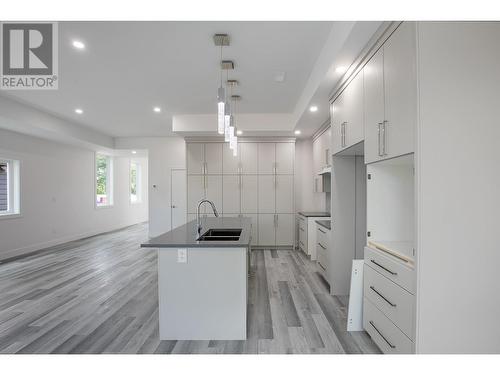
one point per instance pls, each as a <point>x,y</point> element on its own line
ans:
<point>134,152</point>
<point>239,132</point>
<point>157,109</point>
<point>297,132</point>
<point>340,69</point>
<point>313,108</point>
<point>79,111</point>
<point>78,45</point>
<point>280,77</point>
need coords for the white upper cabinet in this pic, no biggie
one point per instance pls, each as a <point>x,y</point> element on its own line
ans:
<point>248,157</point>
<point>213,158</point>
<point>230,163</point>
<point>353,112</point>
<point>337,123</point>
<point>374,106</point>
<point>267,194</point>
<point>195,158</point>
<point>285,157</point>
<point>400,91</point>
<point>231,194</point>
<point>267,157</point>
<point>249,193</point>
<point>196,192</point>
<point>284,194</point>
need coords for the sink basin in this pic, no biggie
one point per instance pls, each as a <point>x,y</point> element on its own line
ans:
<point>224,234</point>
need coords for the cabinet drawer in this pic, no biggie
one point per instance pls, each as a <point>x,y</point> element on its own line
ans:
<point>302,235</point>
<point>383,332</point>
<point>321,236</point>
<point>395,302</point>
<point>393,269</point>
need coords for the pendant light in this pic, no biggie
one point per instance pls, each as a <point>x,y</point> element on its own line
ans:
<point>221,40</point>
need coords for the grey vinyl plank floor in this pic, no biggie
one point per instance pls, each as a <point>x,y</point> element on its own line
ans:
<point>99,295</point>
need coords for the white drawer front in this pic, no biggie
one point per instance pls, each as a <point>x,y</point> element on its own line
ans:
<point>303,236</point>
<point>391,268</point>
<point>395,302</point>
<point>383,332</point>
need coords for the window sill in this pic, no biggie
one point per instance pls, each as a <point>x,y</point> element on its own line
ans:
<point>10,216</point>
<point>103,206</point>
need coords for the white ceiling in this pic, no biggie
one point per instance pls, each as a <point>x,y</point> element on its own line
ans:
<point>129,67</point>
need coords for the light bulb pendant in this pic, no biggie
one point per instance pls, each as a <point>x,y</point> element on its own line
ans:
<point>221,98</point>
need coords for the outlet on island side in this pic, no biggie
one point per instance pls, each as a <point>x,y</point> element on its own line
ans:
<point>181,255</point>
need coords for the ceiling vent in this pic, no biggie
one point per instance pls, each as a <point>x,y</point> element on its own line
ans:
<point>221,39</point>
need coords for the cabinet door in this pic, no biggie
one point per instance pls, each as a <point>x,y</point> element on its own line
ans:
<point>400,90</point>
<point>284,229</point>
<point>231,194</point>
<point>284,194</point>
<point>255,227</point>
<point>267,194</point>
<point>337,120</point>
<point>248,158</point>
<point>353,106</point>
<point>285,158</point>
<point>266,158</point>
<point>213,157</point>
<point>317,155</point>
<point>195,158</point>
<point>267,230</point>
<point>249,194</point>
<point>374,105</point>
<point>327,147</point>
<point>230,163</point>
<point>214,192</point>
<point>195,193</point>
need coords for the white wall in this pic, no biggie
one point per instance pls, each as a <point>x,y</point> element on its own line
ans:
<point>458,159</point>
<point>57,195</point>
<point>305,197</point>
<point>164,153</point>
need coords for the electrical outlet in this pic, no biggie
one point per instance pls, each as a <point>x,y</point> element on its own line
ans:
<point>181,255</point>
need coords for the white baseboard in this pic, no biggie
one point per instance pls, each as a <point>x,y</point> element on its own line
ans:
<point>58,241</point>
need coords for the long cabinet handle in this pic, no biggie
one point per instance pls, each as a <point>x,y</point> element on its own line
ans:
<point>384,152</point>
<point>382,296</point>
<point>379,125</point>
<point>385,269</point>
<point>381,335</point>
<point>324,248</point>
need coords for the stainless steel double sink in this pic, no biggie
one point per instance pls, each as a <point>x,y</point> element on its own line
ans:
<point>221,234</point>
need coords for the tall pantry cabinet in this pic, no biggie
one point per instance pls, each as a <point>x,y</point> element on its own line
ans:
<point>257,183</point>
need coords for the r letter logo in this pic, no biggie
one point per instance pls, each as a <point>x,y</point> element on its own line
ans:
<point>28,56</point>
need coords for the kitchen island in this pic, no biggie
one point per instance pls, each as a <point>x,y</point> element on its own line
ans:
<point>202,283</point>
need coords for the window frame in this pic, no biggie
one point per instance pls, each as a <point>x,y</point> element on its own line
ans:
<point>109,181</point>
<point>13,188</point>
<point>138,182</point>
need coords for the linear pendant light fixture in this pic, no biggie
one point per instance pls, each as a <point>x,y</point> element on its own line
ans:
<point>221,40</point>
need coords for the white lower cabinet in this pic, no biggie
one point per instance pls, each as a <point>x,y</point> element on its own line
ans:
<point>322,248</point>
<point>284,194</point>
<point>231,194</point>
<point>284,229</point>
<point>255,227</point>
<point>267,196</point>
<point>249,193</point>
<point>267,230</point>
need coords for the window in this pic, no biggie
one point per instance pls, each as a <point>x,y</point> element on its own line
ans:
<point>104,180</point>
<point>9,187</point>
<point>135,182</point>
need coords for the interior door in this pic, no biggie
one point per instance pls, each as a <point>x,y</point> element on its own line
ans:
<point>285,158</point>
<point>267,230</point>
<point>400,90</point>
<point>231,194</point>
<point>374,105</point>
<point>213,190</point>
<point>230,163</point>
<point>248,157</point>
<point>249,194</point>
<point>267,158</point>
<point>284,229</point>
<point>178,199</point>
<point>267,202</point>
<point>195,192</point>
<point>213,157</point>
<point>284,194</point>
<point>195,158</point>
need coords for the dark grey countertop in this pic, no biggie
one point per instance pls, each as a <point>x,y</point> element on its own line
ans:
<point>325,223</point>
<point>185,235</point>
<point>314,214</point>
